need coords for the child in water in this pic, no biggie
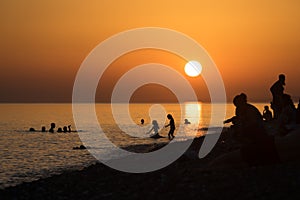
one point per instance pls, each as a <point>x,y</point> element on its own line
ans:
<point>155,128</point>
<point>172,126</point>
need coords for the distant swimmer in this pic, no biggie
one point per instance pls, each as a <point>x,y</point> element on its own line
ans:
<point>142,121</point>
<point>31,129</point>
<point>65,129</point>
<point>43,129</point>
<point>80,147</point>
<point>52,126</point>
<point>186,121</point>
<point>59,130</point>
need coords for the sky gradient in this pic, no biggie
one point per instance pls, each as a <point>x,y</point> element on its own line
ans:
<point>43,44</point>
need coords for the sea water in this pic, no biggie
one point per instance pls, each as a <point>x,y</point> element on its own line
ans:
<point>26,156</point>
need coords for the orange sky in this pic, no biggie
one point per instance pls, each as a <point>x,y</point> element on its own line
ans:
<point>44,42</point>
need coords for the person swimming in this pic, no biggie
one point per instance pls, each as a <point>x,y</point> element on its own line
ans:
<point>186,121</point>
<point>52,126</point>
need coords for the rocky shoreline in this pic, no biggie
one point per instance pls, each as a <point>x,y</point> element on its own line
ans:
<point>188,177</point>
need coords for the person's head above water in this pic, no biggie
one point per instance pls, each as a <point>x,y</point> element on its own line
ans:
<point>142,121</point>
<point>282,79</point>
<point>52,125</point>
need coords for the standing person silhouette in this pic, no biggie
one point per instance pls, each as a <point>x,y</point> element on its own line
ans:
<point>172,126</point>
<point>277,93</point>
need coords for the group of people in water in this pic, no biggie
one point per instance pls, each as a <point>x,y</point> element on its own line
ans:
<point>65,129</point>
<point>249,125</point>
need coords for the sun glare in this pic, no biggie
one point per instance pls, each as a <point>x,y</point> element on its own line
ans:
<point>193,68</point>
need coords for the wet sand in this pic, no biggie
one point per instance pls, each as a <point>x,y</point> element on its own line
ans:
<point>186,178</point>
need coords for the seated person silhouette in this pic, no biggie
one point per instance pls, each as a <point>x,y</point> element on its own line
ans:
<point>155,129</point>
<point>267,114</point>
<point>257,147</point>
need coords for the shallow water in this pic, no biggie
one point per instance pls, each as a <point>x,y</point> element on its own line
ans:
<point>26,156</point>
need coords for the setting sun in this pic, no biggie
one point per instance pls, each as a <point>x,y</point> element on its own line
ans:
<point>193,68</point>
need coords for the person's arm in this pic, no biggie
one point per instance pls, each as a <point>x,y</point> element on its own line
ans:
<point>150,130</point>
<point>167,125</point>
<point>229,120</point>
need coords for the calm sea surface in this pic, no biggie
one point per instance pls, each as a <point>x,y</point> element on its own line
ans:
<point>26,156</point>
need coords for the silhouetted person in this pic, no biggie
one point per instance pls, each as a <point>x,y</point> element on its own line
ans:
<point>267,114</point>
<point>298,113</point>
<point>277,93</point>
<point>59,130</point>
<point>43,129</point>
<point>186,121</point>
<point>80,147</point>
<point>155,129</point>
<point>31,129</point>
<point>234,120</point>
<point>172,126</point>
<point>256,146</point>
<point>65,129</point>
<point>69,129</point>
<point>142,121</point>
<point>288,116</point>
<point>52,126</point>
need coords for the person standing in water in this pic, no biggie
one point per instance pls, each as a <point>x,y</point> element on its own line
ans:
<point>172,126</point>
